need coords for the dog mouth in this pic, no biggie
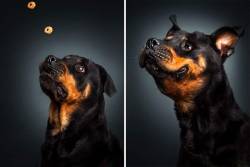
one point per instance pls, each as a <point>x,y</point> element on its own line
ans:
<point>151,60</point>
<point>49,82</point>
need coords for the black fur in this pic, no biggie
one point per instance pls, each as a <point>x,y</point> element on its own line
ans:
<point>86,141</point>
<point>214,132</point>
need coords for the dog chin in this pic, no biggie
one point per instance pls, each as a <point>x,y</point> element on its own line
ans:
<point>52,88</point>
<point>155,70</point>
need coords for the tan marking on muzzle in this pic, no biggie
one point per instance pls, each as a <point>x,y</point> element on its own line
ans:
<point>176,62</point>
<point>184,91</point>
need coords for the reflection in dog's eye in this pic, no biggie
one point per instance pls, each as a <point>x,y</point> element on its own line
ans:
<point>80,68</point>
<point>186,46</point>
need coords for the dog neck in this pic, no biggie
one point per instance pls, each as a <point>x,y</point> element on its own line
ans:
<point>214,113</point>
<point>214,101</point>
<point>62,115</point>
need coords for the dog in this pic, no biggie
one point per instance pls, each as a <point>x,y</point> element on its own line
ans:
<point>188,68</point>
<point>77,134</point>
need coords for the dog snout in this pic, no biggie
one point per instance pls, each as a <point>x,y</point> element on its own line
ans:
<point>52,65</point>
<point>152,42</point>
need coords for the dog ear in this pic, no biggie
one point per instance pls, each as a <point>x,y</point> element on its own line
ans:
<point>108,84</point>
<point>225,40</point>
<point>175,26</point>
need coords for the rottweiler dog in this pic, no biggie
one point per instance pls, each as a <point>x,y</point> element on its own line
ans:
<point>77,134</point>
<point>188,68</point>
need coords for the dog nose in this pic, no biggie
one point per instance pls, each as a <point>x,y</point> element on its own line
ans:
<point>151,43</point>
<point>51,59</point>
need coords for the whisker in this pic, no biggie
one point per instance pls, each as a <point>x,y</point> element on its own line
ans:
<point>52,68</point>
<point>58,68</point>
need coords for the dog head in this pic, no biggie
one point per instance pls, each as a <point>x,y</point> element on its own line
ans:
<point>73,79</point>
<point>183,63</point>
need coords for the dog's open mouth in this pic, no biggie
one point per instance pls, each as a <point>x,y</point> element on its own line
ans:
<point>151,58</point>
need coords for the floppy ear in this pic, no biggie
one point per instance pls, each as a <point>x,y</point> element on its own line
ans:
<point>108,84</point>
<point>175,26</point>
<point>225,39</point>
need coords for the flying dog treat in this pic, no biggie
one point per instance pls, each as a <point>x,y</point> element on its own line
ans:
<point>31,5</point>
<point>48,30</point>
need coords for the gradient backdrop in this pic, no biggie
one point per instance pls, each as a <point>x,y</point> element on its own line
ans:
<point>152,129</point>
<point>90,28</point>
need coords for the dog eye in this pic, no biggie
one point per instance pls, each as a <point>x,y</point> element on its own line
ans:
<point>80,68</point>
<point>186,46</point>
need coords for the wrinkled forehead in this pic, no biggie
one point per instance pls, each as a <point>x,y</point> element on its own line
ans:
<point>74,59</point>
<point>184,35</point>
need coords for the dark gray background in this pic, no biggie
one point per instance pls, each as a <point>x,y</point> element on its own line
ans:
<point>90,28</point>
<point>152,129</point>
